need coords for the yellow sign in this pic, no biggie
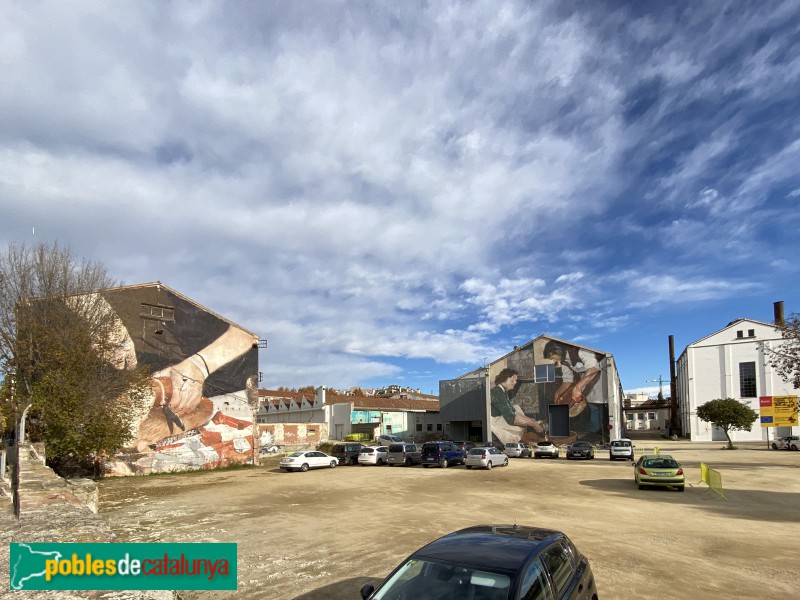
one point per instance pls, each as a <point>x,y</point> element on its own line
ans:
<point>778,411</point>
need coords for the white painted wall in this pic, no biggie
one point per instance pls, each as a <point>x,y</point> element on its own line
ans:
<point>709,369</point>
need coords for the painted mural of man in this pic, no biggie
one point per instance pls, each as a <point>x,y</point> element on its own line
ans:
<point>508,422</point>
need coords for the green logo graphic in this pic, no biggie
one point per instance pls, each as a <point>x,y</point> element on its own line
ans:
<point>108,566</point>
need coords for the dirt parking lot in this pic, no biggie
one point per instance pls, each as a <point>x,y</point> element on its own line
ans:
<point>321,535</point>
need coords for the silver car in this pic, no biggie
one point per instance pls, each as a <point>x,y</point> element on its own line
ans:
<point>515,450</point>
<point>486,458</point>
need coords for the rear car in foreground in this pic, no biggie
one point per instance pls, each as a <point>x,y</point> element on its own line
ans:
<point>486,458</point>
<point>492,562</point>
<point>303,461</point>
<point>658,470</point>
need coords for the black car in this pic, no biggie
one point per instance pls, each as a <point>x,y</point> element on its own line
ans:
<point>492,561</point>
<point>580,450</point>
<point>347,452</point>
<point>441,454</point>
<point>464,446</point>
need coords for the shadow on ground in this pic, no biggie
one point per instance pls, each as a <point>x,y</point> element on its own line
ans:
<point>346,589</point>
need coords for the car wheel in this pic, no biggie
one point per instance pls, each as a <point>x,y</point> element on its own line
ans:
<point>409,462</point>
<point>774,446</point>
<point>304,468</point>
<point>505,464</point>
<point>489,466</point>
<point>334,463</point>
<point>425,466</point>
<point>469,466</point>
<point>794,447</point>
<point>444,463</point>
<point>681,488</point>
<point>641,487</point>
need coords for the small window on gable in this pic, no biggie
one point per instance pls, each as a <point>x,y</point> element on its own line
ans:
<point>740,334</point>
<point>751,333</point>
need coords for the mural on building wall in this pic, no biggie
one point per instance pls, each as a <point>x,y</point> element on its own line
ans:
<point>204,370</point>
<point>549,388</point>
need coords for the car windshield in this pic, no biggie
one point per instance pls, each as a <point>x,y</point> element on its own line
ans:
<point>426,579</point>
<point>544,443</point>
<point>476,451</point>
<point>296,454</point>
<point>367,450</point>
<point>620,444</point>
<point>660,463</point>
<point>580,445</point>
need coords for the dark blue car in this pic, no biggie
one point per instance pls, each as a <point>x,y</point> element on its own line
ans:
<point>492,562</point>
<point>441,454</point>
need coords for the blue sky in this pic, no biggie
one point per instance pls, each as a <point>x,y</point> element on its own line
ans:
<point>398,192</point>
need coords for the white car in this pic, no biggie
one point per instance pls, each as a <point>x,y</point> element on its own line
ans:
<point>486,458</point>
<point>788,442</point>
<point>310,459</point>
<point>373,455</point>
<point>545,448</point>
<point>621,448</point>
<point>388,440</point>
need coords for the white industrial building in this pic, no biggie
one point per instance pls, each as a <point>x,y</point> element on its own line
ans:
<point>731,363</point>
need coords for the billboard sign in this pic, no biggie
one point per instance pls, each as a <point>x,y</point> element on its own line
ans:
<point>778,411</point>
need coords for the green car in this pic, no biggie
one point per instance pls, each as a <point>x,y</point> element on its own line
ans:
<point>658,470</point>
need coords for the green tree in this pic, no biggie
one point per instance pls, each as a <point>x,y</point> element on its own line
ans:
<point>60,343</point>
<point>786,357</point>
<point>728,414</point>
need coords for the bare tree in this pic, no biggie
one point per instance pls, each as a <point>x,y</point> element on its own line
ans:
<point>59,342</point>
<point>786,358</point>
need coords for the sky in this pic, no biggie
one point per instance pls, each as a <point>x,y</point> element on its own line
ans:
<point>400,192</point>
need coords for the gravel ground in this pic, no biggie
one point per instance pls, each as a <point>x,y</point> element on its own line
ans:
<point>323,534</point>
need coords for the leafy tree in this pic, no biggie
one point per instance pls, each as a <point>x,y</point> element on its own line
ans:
<point>60,343</point>
<point>786,358</point>
<point>728,414</point>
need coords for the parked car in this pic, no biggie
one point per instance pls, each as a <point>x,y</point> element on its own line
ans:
<point>347,452</point>
<point>464,446</point>
<point>492,561</point>
<point>788,442</point>
<point>386,440</point>
<point>621,448</point>
<point>373,455</point>
<point>658,470</point>
<point>404,454</point>
<point>493,444</point>
<point>486,458</point>
<point>580,450</point>
<point>442,454</point>
<point>546,449</point>
<point>303,461</point>
<point>517,450</point>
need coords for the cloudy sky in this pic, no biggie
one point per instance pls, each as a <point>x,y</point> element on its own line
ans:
<point>398,192</point>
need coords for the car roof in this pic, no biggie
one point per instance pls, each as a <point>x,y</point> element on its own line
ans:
<point>492,547</point>
<point>653,456</point>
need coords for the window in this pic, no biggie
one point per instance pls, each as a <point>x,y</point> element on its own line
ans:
<point>534,584</point>
<point>419,426</point>
<point>651,416</point>
<point>640,416</point>
<point>430,427</point>
<point>558,560</point>
<point>438,427</point>
<point>544,373</point>
<point>751,333</point>
<point>740,334</point>
<point>153,311</point>
<point>747,380</point>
